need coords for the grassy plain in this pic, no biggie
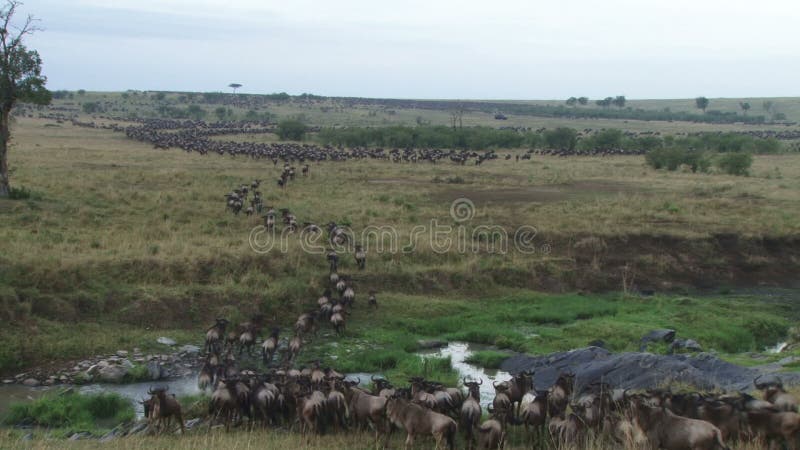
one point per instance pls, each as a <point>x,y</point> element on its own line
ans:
<point>132,243</point>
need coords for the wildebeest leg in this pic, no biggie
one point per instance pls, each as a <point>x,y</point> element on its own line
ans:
<point>409,440</point>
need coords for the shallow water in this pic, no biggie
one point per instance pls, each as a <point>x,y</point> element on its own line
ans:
<point>458,352</point>
<point>779,347</point>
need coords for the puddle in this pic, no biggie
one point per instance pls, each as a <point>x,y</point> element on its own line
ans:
<point>458,352</point>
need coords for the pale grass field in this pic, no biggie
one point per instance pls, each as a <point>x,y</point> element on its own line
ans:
<point>109,198</point>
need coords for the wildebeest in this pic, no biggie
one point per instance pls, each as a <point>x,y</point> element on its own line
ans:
<point>417,420</point>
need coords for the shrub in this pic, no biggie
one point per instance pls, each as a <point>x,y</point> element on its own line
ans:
<point>736,163</point>
<point>291,129</point>
<point>23,193</point>
<point>673,158</point>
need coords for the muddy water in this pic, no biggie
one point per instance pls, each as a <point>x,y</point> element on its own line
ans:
<point>458,352</point>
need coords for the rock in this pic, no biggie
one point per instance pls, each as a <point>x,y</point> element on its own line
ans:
<point>138,428</point>
<point>77,436</point>
<point>31,382</point>
<point>685,344</point>
<point>189,349</point>
<point>155,371</point>
<point>126,364</point>
<point>112,374</point>
<point>122,353</point>
<point>430,344</point>
<point>635,370</point>
<point>789,360</point>
<point>27,437</point>
<point>8,381</point>
<point>191,423</point>
<point>111,435</point>
<point>166,341</point>
<point>664,335</point>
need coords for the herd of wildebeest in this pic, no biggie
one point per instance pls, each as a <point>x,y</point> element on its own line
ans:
<point>319,400</point>
<point>196,136</point>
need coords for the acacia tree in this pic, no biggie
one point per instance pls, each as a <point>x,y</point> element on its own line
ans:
<point>234,86</point>
<point>21,78</point>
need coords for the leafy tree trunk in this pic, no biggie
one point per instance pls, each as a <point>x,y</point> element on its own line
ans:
<point>5,187</point>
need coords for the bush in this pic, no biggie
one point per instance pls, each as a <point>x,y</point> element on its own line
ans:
<point>291,129</point>
<point>72,410</point>
<point>737,163</point>
<point>673,158</point>
<point>487,359</point>
<point>22,193</point>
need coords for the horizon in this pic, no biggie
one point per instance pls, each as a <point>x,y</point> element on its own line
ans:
<point>560,100</point>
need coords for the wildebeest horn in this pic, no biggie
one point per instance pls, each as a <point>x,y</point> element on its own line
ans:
<point>494,384</point>
<point>480,382</point>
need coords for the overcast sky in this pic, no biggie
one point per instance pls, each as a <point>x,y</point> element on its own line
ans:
<point>526,49</point>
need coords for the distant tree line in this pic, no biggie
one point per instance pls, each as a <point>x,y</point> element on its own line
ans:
<point>480,138</point>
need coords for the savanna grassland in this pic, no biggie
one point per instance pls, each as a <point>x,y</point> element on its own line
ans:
<point>119,236</point>
<point>118,243</point>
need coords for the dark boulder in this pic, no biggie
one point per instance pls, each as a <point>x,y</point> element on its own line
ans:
<point>665,335</point>
<point>636,370</point>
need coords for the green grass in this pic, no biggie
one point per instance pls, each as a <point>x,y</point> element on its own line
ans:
<point>72,412</point>
<point>488,359</point>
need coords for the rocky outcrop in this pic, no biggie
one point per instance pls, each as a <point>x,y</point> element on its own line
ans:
<point>639,370</point>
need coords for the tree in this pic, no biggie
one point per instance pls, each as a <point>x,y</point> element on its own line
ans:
<point>745,106</point>
<point>561,138</point>
<point>234,86</point>
<point>457,117</point>
<point>583,101</point>
<point>619,101</point>
<point>701,103</point>
<point>605,103</point>
<point>291,129</point>
<point>21,79</point>
<point>91,107</point>
<point>572,101</point>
